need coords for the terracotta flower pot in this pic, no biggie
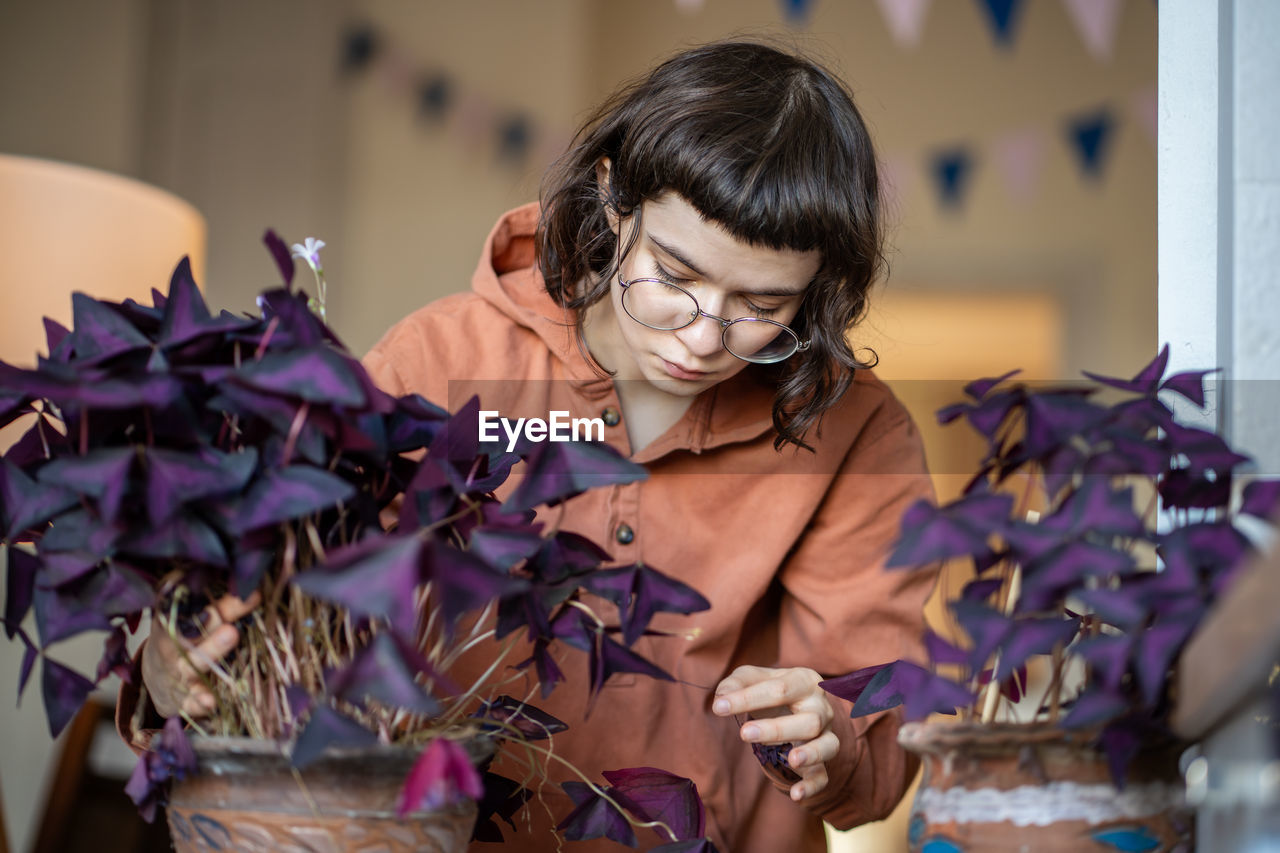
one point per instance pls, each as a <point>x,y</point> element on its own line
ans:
<point>246,798</point>
<point>1038,788</point>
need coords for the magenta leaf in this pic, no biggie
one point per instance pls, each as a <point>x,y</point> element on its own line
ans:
<point>558,470</point>
<point>319,374</point>
<point>532,723</point>
<point>170,757</point>
<point>656,795</point>
<point>1147,380</point>
<point>64,692</point>
<point>1033,636</point>
<point>20,585</point>
<point>961,528</point>
<point>290,493</point>
<point>441,777</point>
<point>1261,498</point>
<point>328,728</point>
<point>904,683</point>
<point>385,670</point>
<point>375,577</point>
<point>640,592</point>
<point>100,332</point>
<point>280,254</point>
<point>26,504</point>
<point>593,817</point>
<point>1093,707</point>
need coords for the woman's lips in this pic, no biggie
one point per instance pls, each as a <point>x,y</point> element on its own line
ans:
<point>678,372</point>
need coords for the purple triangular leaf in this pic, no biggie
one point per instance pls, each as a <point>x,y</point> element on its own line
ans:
<point>979,388</point>
<point>640,592</point>
<point>1189,384</point>
<point>593,817</point>
<point>28,504</point>
<point>176,477</point>
<point>1109,655</point>
<point>102,474</point>
<point>1094,707</point>
<point>185,536</point>
<point>850,687</point>
<point>941,651</point>
<point>375,577</point>
<point>319,374</point>
<point>1125,607</point>
<point>280,254</point>
<point>1261,498</point>
<point>65,692</point>
<point>1204,449</point>
<point>987,629</point>
<point>1157,647</point>
<point>558,470</point>
<point>100,332</point>
<point>461,582</point>
<point>385,671</point>
<point>961,528</point>
<point>290,493</point>
<point>1068,565</point>
<point>503,546</point>
<point>1181,489</point>
<point>1145,382</point>
<point>532,723</point>
<point>442,777</point>
<point>656,795</point>
<point>1096,507</point>
<point>325,728</point>
<point>1033,636</point>
<point>502,798</point>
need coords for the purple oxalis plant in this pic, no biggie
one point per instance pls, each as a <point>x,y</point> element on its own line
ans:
<point>1102,532</point>
<point>171,456</point>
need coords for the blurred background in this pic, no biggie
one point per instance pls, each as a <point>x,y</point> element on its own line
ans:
<point>1017,141</point>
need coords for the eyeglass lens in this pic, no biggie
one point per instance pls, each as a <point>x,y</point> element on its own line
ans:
<point>665,307</point>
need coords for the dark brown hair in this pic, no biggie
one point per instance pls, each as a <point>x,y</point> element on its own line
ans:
<point>768,145</point>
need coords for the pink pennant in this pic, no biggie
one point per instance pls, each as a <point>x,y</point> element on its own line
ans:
<point>1142,105</point>
<point>895,181</point>
<point>1019,157</point>
<point>476,117</point>
<point>1096,22</point>
<point>397,71</point>
<point>905,19</point>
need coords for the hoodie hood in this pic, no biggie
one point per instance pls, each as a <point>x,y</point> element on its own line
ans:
<point>508,279</point>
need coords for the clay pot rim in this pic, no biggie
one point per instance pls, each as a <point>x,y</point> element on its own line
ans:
<point>936,735</point>
<point>479,747</point>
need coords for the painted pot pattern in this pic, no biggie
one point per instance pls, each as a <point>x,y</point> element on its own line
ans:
<point>246,798</point>
<point>1038,789</point>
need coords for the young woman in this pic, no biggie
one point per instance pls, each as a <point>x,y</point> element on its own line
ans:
<point>691,277</point>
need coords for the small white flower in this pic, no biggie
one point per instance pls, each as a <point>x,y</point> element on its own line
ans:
<point>309,251</point>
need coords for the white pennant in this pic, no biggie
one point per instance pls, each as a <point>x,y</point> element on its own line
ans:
<point>1096,22</point>
<point>905,19</point>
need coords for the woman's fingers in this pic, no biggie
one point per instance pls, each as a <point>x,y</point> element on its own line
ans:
<point>816,752</point>
<point>790,728</point>
<point>812,781</point>
<point>174,667</point>
<point>750,689</point>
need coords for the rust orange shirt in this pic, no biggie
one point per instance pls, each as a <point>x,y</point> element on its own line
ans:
<point>788,546</point>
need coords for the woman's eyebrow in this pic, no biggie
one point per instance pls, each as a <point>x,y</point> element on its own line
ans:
<point>685,262</point>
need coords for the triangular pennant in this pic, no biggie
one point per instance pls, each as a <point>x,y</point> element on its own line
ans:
<point>896,181</point>
<point>950,170</point>
<point>1019,157</point>
<point>1142,105</point>
<point>1090,136</point>
<point>797,11</point>
<point>1096,21</point>
<point>905,19</point>
<point>1003,16</point>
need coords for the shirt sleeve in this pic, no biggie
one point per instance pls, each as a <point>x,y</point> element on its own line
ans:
<point>843,610</point>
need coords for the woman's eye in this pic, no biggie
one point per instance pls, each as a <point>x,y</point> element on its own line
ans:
<point>762,310</point>
<point>668,277</point>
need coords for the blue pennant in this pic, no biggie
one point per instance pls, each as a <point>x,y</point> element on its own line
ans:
<point>1090,135</point>
<point>797,11</point>
<point>1137,839</point>
<point>951,170</point>
<point>1003,15</point>
<point>938,844</point>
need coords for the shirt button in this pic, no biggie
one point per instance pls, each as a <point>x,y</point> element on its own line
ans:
<point>611,416</point>
<point>624,534</point>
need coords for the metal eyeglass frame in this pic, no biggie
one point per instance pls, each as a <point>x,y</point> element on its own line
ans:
<point>800,346</point>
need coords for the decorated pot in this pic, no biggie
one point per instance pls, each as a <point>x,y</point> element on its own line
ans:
<point>1040,789</point>
<point>246,797</point>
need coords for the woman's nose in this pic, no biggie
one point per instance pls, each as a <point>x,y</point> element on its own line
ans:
<point>702,337</point>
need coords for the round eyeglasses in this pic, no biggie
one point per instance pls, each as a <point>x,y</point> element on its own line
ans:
<point>668,307</point>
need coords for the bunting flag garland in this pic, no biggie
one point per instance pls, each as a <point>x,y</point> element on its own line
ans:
<point>950,170</point>
<point>1019,158</point>
<point>1090,136</point>
<point>435,96</point>
<point>796,11</point>
<point>1096,21</point>
<point>905,19</point>
<point>359,48</point>
<point>1002,15</point>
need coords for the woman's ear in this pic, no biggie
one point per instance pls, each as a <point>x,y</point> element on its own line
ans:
<point>603,167</point>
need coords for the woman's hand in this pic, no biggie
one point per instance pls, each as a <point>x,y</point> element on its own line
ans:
<point>172,673</point>
<point>789,707</point>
